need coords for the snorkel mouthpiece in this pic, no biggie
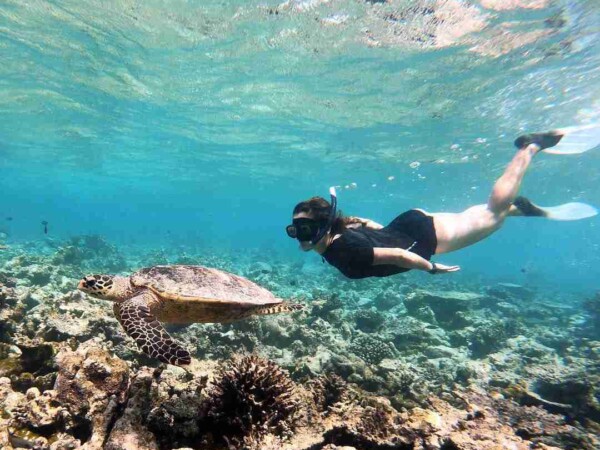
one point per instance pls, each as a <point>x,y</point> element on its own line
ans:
<point>332,216</point>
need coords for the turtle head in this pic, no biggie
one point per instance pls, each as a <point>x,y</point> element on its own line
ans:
<point>105,287</point>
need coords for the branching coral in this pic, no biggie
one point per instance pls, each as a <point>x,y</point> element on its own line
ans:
<point>252,397</point>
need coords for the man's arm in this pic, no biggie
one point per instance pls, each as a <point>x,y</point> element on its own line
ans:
<point>407,260</point>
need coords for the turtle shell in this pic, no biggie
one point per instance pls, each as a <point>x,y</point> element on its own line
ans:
<point>202,284</point>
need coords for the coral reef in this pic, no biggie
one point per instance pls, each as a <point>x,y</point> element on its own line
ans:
<point>591,326</point>
<point>371,364</point>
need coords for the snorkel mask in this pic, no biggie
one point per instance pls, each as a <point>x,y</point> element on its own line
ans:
<point>305,229</point>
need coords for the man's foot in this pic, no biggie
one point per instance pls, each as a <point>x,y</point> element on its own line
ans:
<point>567,211</point>
<point>542,140</point>
<point>528,209</point>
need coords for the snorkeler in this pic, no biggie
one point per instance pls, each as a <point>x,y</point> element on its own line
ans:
<point>361,248</point>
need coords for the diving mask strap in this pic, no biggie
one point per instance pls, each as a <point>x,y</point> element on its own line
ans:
<point>332,216</point>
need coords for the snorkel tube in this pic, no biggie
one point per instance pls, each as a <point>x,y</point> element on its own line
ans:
<point>332,216</point>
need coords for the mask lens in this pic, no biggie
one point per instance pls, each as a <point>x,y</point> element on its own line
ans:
<point>291,231</point>
<point>303,229</point>
<point>305,232</point>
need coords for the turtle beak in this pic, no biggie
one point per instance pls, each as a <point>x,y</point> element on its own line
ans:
<point>86,283</point>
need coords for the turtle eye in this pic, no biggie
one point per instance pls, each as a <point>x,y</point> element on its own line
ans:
<point>90,282</point>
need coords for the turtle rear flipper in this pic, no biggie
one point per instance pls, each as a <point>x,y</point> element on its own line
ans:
<point>150,336</point>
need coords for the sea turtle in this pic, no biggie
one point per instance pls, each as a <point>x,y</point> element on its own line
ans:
<point>179,294</point>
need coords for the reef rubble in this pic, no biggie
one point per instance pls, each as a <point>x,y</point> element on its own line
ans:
<point>98,401</point>
<point>373,365</point>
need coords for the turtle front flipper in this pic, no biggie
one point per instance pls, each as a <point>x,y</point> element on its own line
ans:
<point>149,334</point>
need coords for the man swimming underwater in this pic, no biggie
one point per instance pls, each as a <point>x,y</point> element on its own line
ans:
<point>361,248</point>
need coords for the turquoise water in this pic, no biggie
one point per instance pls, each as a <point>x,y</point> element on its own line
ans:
<point>139,133</point>
<point>188,123</point>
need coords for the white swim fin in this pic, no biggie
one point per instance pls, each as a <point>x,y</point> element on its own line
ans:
<point>570,211</point>
<point>567,211</point>
<point>578,139</point>
<point>564,141</point>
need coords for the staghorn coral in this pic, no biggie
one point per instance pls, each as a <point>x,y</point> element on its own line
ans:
<point>252,397</point>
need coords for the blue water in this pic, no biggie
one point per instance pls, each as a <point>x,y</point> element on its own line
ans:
<point>189,123</point>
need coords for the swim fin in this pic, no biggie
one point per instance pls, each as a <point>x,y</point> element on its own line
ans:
<point>567,211</point>
<point>564,141</point>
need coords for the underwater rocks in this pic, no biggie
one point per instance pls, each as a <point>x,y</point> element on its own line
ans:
<point>411,335</point>
<point>591,326</point>
<point>68,262</point>
<point>578,390</point>
<point>487,336</point>
<point>388,299</point>
<point>129,432</point>
<point>376,425</point>
<point>443,307</point>
<point>328,392</point>
<point>91,251</point>
<point>92,385</point>
<point>259,268</point>
<point>176,403</point>
<point>12,310</point>
<point>68,316</point>
<point>369,320</point>
<point>539,426</point>
<point>35,366</point>
<point>249,402</point>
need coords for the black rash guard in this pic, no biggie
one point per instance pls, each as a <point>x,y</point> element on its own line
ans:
<point>352,253</point>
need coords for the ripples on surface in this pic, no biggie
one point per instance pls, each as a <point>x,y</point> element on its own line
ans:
<point>142,74</point>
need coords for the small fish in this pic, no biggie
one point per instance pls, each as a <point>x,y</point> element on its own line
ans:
<point>45,223</point>
<point>9,219</point>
